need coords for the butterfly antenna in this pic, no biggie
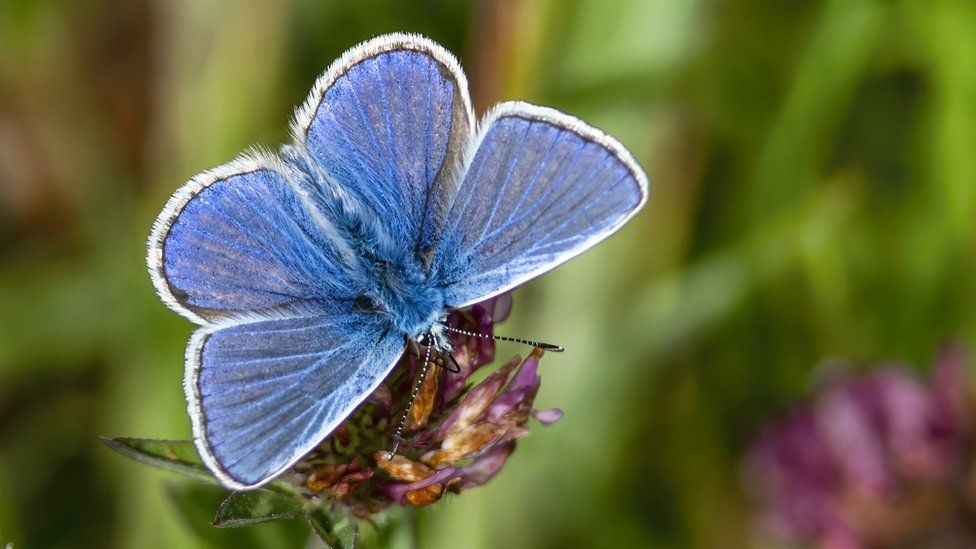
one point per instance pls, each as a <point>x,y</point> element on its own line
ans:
<point>538,344</point>
<point>398,435</point>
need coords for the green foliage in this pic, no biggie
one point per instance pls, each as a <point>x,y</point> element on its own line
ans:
<point>247,508</point>
<point>812,197</point>
<point>337,534</point>
<point>275,501</point>
<point>196,504</point>
<point>177,456</point>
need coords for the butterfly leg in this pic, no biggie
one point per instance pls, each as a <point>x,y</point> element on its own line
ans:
<point>457,367</point>
<point>414,349</point>
<point>398,434</point>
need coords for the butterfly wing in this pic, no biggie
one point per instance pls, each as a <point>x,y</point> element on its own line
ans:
<point>263,394</point>
<point>389,121</point>
<point>539,188</point>
<point>284,355</point>
<point>240,238</point>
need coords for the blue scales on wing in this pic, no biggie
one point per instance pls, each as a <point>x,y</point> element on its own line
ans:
<point>239,239</point>
<point>284,354</point>
<point>265,393</point>
<point>389,123</point>
<point>541,188</point>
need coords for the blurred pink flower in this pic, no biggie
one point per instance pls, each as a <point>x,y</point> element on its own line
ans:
<point>872,459</point>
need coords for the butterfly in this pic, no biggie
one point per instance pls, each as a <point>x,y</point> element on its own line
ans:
<point>310,270</point>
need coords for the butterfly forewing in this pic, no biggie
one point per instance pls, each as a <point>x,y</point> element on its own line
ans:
<point>388,121</point>
<point>238,239</point>
<point>540,188</point>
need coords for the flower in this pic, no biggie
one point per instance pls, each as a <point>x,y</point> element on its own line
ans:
<point>457,436</point>
<point>873,459</point>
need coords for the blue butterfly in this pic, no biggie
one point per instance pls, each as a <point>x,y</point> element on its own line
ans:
<point>310,270</point>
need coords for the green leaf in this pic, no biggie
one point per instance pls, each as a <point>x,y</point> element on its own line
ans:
<point>178,456</point>
<point>195,504</point>
<point>394,527</point>
<point>246,508</point>
<point>338,532</point>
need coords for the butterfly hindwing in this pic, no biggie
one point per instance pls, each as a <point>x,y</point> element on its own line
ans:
<point>389,121</point>
<point>540,188</point>
<point>264,393</point>
<point>239,238</point>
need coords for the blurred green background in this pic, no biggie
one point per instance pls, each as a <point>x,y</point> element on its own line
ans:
<point>813,169</point>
